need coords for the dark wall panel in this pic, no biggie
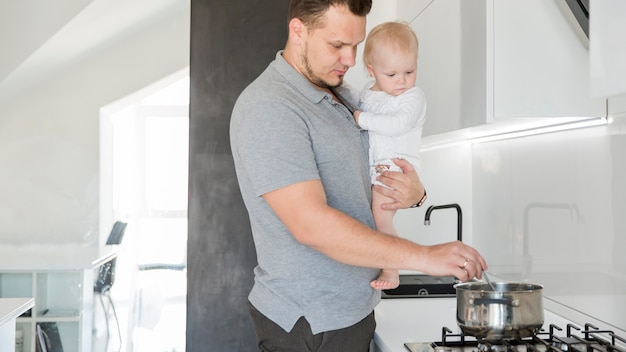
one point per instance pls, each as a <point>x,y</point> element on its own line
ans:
<point>231,43</point>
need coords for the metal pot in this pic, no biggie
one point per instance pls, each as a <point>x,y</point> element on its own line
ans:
<point>512,311</point>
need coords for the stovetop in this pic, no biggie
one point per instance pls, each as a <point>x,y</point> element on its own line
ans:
<point>571,339</point>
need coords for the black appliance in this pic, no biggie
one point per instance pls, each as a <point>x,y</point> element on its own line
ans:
<point>413,286</point>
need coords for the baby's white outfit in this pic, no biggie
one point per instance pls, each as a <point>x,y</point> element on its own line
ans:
<point>395,126</point>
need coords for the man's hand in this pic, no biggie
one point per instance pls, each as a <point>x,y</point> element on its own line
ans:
<point>453,258</point>
<point>407,188</point>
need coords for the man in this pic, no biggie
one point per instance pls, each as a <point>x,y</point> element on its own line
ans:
<point>302,167</point>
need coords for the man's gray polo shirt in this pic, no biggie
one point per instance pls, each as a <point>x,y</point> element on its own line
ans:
<point>284,131</point>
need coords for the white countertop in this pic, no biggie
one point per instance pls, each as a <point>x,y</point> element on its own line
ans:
<point>54,257</point>
<point>11,308</point>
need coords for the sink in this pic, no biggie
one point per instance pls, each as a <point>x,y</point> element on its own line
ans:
<point>423,286</point>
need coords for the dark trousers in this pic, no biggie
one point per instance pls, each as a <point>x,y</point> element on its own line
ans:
<point>272,338</point>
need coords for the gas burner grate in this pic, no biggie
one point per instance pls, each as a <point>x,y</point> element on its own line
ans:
<point>576,339</point>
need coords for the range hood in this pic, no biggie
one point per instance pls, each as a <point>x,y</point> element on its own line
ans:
<point>577,13</point>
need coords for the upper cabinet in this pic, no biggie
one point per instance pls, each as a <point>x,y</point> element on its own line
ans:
<point>482,61</point>
<point>608,53</point>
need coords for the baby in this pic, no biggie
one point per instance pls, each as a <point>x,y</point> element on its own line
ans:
<point>392,109</point>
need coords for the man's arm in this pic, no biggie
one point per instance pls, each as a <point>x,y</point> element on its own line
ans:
<point>303,209</point>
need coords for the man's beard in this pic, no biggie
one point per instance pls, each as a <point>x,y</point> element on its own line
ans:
<point>313,77</point>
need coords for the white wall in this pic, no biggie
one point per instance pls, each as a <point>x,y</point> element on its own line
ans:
<point>49,135</point>
<point>571,187</point>
<point>562,193</point>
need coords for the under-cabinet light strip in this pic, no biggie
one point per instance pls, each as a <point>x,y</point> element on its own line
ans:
<point>596,121</point>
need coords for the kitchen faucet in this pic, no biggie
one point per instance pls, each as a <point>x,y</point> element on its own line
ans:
<point>459,217</point>
<point>527,258</point>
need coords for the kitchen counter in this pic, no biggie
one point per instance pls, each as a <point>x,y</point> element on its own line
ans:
<point>10,309</point>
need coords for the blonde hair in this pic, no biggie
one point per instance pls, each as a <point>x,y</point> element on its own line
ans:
<point>396,35</point>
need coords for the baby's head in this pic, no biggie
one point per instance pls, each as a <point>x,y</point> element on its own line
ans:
<point>390,56</point>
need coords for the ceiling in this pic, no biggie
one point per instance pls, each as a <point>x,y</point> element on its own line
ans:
<point>38,37</point>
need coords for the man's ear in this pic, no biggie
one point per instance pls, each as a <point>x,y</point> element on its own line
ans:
<point>297,30</point>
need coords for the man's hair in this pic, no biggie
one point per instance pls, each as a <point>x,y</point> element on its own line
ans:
<point>395,35</point>
<point>311,12</point>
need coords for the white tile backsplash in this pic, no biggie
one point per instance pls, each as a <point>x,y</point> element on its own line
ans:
<point>447,176</point>
<point>549,208</point>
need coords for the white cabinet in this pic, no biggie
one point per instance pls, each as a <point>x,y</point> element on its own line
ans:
<point>451,61</point>
<point>617,106</point>
<point>58,304</point>
<point>60,279</point>
<point>608,53</point>
<point>540,65</point>
<point>481,61</point>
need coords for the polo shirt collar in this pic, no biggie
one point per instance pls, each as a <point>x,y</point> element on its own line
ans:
<point>300,83</point>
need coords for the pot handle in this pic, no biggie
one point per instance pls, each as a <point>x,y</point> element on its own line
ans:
<point>504,301</point>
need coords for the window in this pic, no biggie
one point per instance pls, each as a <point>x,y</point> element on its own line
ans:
<point>143,176</point>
